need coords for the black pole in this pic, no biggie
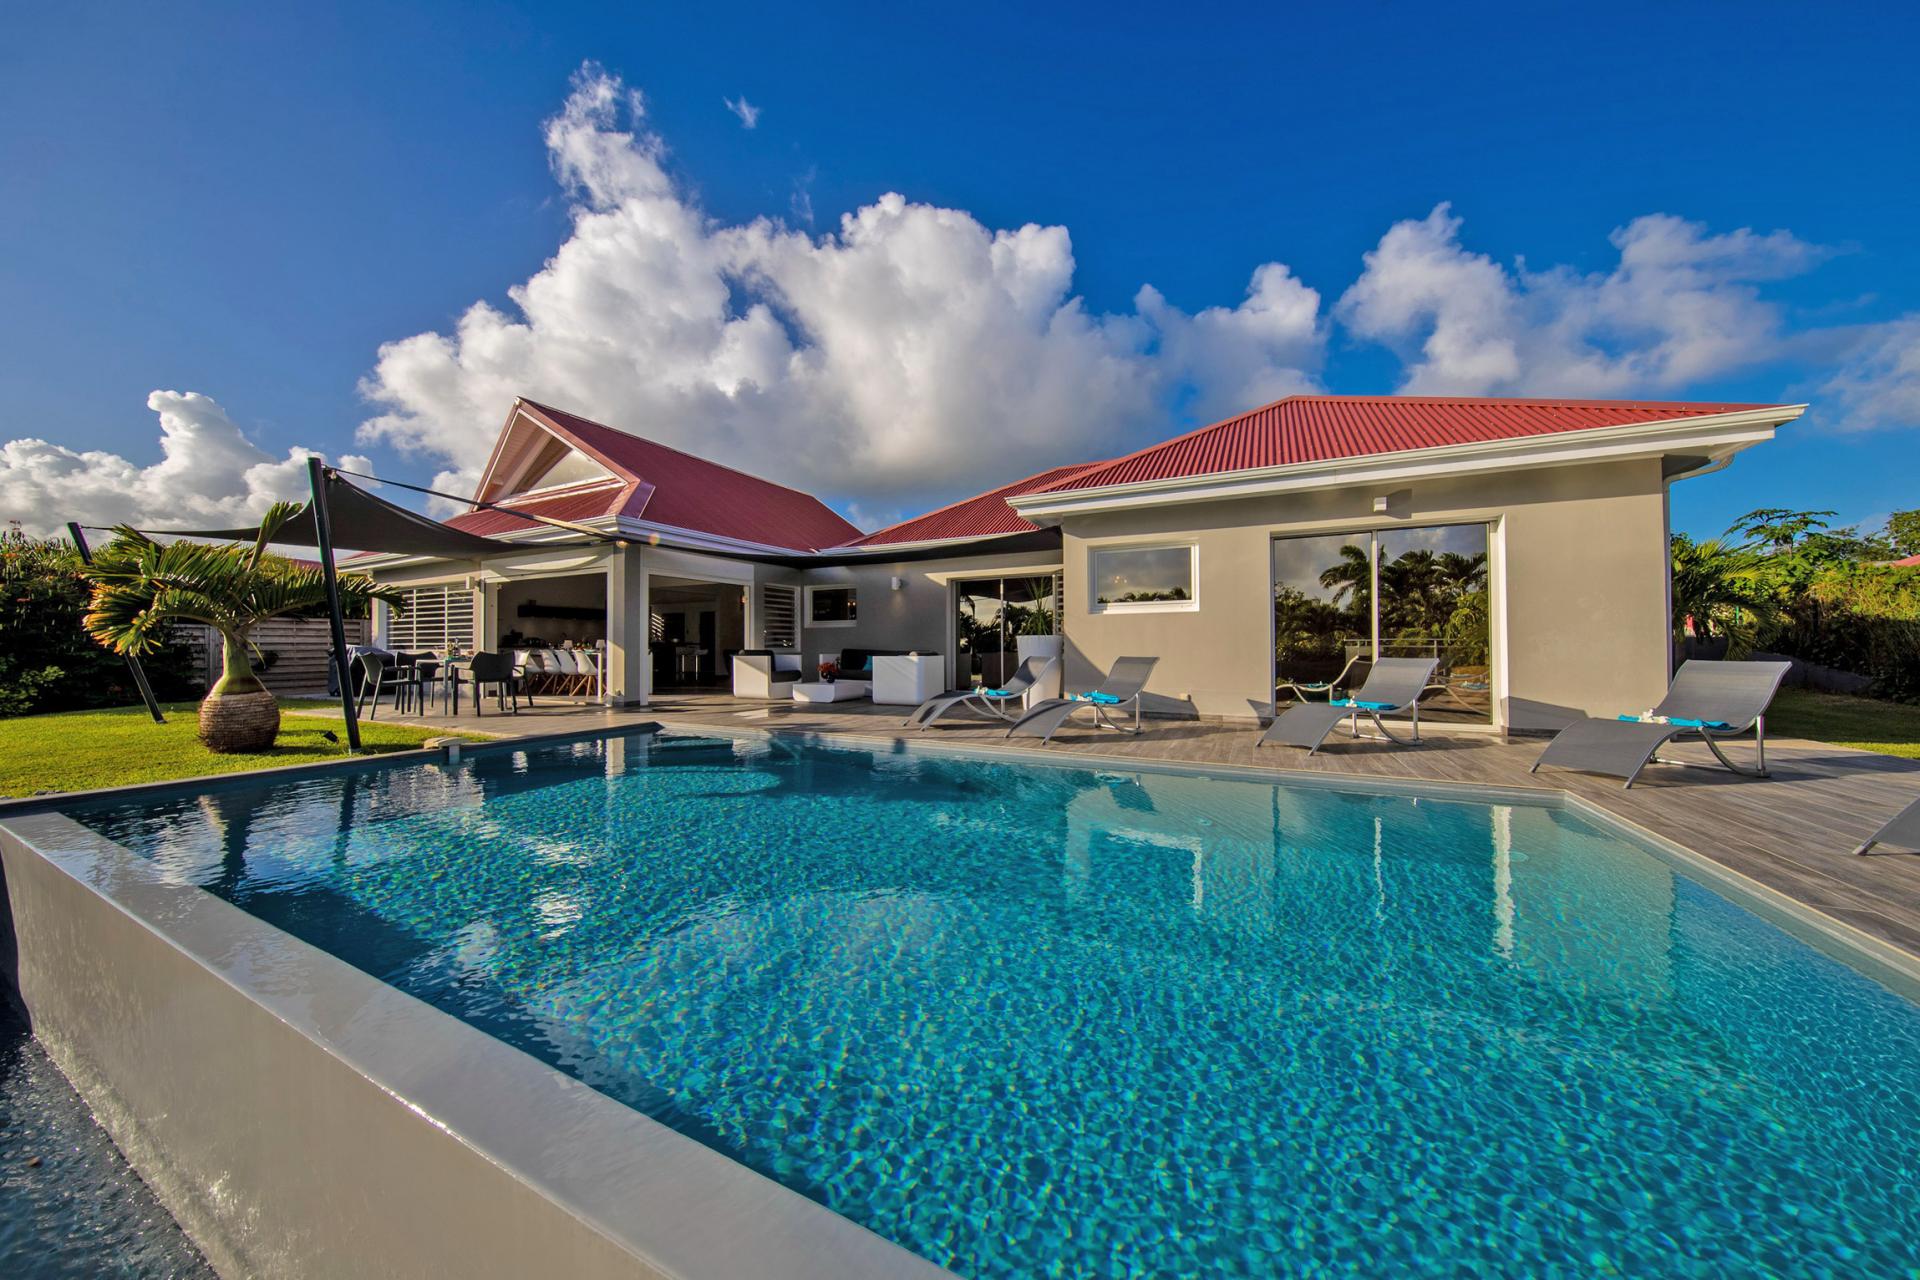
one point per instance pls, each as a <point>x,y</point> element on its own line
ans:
<point>133,663</point>
<point>323,535</point>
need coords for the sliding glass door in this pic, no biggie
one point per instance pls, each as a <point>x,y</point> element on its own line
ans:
<point>1339,601</point>
<point>990,616</point>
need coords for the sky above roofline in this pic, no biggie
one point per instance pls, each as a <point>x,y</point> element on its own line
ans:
<point>898,265</point>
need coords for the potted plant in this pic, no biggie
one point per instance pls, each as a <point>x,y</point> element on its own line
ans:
<point>142,588</point>
<point>829,671</point>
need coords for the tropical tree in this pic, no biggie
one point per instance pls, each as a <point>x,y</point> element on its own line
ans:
<point>143,588</point>
<point>1902,533</point>
<point>1351,579</point>
<point>47,662</point>
<point>1724,590</point>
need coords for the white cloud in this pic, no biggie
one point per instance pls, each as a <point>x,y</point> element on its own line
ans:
<point>209,475</point>
<point>748,113</point>
<point>1877,384</point>
<point>1681,305</point>
<point>914,351</point>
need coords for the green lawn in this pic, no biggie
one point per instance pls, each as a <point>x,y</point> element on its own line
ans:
<point>79,750</point>
<point>1891,728</point>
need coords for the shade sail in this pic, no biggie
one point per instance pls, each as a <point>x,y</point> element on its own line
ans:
<point>364,522</point>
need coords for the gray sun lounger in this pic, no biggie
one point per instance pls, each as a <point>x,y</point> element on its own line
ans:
<point>1393,686</point>
<point>993,702</point>
<point>1123,686</point>
<point>1711,701</point>
<point>1902,829</point>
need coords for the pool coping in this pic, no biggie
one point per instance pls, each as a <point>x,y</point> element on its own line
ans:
<point>624,1193</point>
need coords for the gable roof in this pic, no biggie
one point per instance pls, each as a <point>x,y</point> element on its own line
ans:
<point>664,486</point>
<point>985,515</point>
<point>1305,429</point>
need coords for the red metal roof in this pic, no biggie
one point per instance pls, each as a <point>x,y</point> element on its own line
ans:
<point>983,516</point>
<point>1911,562</point>
<point>1303,429</point>
<point>666,486</point>
<point>587,505</point>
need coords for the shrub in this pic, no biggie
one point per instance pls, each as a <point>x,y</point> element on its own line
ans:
<point>1863,618</point>
<point>47,660</point>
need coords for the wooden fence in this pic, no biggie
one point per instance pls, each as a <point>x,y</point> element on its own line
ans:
<point>294,651</point>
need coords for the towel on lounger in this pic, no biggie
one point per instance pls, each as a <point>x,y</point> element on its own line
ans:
<point>1678,722</point>
<point>1362,706</point>
<point>1104,698</point>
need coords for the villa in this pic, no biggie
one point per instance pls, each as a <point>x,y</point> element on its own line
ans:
<point>703,990</point>
<point>1272,546</point>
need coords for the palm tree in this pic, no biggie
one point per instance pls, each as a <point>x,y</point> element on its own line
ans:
<point>142,588</point>
<point>1725,591</point>
<point>1352,573</point>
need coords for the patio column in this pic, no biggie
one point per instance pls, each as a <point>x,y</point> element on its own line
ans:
<point>626,629</point>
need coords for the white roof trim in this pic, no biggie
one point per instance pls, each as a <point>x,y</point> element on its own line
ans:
<point>1717,435</point>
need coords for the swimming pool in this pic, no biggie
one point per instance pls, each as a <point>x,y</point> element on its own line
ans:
<point>1029,1019</point>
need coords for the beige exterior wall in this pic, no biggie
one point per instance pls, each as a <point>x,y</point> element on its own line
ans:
<point>1578,563</point>
<point>919,616</point>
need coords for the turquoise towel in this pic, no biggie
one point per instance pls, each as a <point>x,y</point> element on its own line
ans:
<point>1104,698</point>
<point>1357,705</point>
<point>1000,693</point>
<point>1680,722</point>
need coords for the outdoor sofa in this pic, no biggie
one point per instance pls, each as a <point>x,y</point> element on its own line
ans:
<point>762,673</point>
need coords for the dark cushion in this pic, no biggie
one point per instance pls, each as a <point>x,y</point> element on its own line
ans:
<point>852,660</point>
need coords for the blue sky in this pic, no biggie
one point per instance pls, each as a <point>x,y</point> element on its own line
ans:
<point>246,205</point>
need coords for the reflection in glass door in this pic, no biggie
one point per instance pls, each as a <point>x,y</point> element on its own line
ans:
<point>1322,609</point>
<point>1338,601</point>
<point>990,616</point>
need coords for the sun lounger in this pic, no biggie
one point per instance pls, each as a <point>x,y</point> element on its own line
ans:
<point>1394,685</point>
<point>1122,687</point>
<point>1712,701</point>
<point>993,702</point>
<point>1902,829</point>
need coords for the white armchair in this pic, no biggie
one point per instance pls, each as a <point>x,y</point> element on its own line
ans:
<point>761,673</point>
<point>907,680</point>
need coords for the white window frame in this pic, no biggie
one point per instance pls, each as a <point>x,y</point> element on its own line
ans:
<point>853,592</point>
<point>1190,605</point>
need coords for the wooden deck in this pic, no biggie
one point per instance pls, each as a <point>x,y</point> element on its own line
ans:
<point>1793,833</point>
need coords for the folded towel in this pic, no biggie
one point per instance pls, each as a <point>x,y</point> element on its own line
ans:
<point>1000,693</point>
<point>1358,705</point>
<point>1678,722</point>
<point>1105,699</point>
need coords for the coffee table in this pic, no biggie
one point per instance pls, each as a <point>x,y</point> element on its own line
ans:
<point>830,690</point>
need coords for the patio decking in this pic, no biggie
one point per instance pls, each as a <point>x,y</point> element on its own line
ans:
<point>1793,833</point>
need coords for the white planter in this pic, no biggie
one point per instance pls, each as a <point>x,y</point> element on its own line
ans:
<point>1043,647</point>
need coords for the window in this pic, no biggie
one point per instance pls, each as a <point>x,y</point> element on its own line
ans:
<point>778,623</point>
<point>437,617</point>
<point>831,607</point>
<point>1341,600</point>
<point>1126,579</point>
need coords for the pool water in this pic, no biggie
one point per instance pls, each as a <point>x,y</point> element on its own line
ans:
<point>1031,1020</point>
